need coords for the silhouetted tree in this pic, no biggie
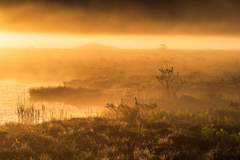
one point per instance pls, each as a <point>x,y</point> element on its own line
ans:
<point>169,81</point>
<point>163,46</point>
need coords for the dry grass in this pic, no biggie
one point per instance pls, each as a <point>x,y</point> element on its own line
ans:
<point>162,135</point>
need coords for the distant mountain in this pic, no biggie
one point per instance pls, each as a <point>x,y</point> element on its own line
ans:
<point>95,46</point>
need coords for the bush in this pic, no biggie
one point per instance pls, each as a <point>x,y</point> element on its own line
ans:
<point>130,114</point>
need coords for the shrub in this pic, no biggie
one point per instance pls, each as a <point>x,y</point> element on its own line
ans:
<point>130,114</point>
<point>169,81</point>
<point>208,132</point>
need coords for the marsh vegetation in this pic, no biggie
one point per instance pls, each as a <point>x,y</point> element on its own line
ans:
<point>155,104</point>
<point>210,134</point>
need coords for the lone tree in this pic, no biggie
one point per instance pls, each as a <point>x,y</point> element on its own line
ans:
<point>170,81</point>
<point>163,46</point>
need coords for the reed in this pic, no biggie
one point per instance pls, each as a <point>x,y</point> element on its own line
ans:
<point>92,112</point>
<point>33,113</point>
<point>29,113</point>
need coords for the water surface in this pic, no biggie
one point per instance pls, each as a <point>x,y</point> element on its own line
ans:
<point>13,93</point>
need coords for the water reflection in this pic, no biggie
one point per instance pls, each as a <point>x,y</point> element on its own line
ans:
<point>13,92</point>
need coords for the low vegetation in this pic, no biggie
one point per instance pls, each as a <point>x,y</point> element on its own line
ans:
<point>163,114</point>
<point>140,131</point>
<point>69,95</point>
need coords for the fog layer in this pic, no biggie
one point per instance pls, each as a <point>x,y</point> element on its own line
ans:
<point>200,17</point>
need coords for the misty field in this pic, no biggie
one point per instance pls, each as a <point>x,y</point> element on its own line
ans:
<point>210,77</point>
<point>119,80</point>
<point>155,104</point>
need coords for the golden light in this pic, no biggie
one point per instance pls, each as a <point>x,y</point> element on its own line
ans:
<point>21,40</point>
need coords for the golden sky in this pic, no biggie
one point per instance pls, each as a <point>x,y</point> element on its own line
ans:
<point>184,24</point>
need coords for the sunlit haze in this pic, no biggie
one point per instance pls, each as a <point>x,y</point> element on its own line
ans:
<point>123,24</point>
<point>119,79</point>
<point>17,40</point>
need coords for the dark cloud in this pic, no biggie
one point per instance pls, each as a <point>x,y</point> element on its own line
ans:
<point>154,17</point>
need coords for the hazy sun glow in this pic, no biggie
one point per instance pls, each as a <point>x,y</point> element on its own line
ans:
<point>20,40</point>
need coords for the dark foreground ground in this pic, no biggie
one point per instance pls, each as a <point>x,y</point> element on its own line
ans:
<point>210,134</point>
